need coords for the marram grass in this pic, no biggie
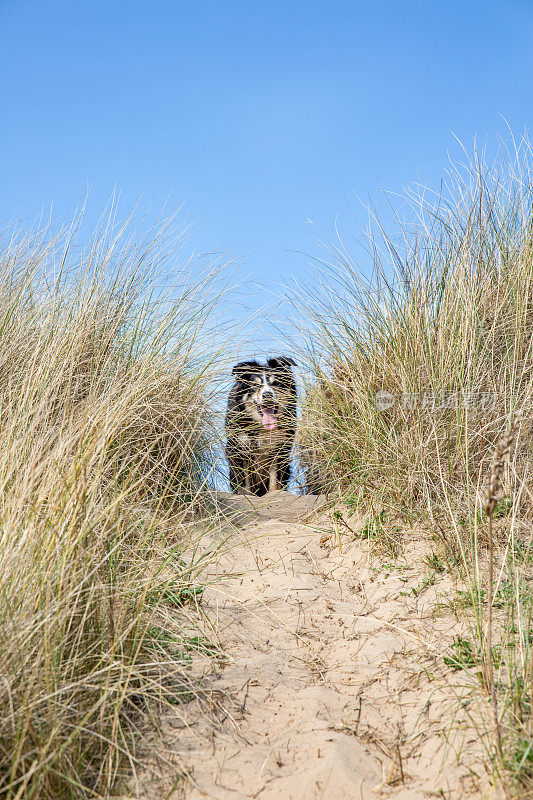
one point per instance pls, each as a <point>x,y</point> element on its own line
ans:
<point>443,332</point>
<point>105,437</point>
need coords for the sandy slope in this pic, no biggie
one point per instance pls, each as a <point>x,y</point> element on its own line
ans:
<point>334,684</point>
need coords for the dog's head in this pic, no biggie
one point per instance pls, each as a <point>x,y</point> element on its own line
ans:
<point>267,392</point>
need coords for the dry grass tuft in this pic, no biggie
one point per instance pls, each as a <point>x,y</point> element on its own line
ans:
<point>415,373</point>
<point>105,445</point>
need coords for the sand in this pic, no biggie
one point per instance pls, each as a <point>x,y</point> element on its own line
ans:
<point>333,683</point>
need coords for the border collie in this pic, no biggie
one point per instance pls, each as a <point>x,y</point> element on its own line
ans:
<point>261,425</point>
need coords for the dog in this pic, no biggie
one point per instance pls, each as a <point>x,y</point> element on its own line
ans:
<point>261,425</point>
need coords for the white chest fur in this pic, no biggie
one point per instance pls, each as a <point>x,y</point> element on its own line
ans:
<point>269,440</point>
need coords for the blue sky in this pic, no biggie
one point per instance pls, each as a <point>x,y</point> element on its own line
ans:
<point>260,115</point>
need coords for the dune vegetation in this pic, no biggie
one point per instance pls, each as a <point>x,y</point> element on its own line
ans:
<point>105,451</point>
<point>416,411</point>
<point>419,409</point>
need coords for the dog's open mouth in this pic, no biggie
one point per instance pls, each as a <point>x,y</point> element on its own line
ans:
<point>269,420</point>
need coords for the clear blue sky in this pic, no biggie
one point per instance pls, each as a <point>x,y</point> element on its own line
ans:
<point>259,114</point>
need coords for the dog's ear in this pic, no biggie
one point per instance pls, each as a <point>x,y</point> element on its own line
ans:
<point>244,368</point>
<point>281,361</point>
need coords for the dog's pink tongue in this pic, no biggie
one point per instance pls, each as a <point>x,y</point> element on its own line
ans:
<point>269,421</point>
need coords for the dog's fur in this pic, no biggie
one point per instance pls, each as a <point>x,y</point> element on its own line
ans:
<point>261,425</point>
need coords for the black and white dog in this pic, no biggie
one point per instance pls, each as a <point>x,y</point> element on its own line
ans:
<point>261,425</point>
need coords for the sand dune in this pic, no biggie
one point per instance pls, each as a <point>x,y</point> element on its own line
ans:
<point>334,684</point>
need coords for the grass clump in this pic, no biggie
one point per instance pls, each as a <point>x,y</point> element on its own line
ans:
<point>417,368</point>
<point>422,372</point>
<point>104,447</point>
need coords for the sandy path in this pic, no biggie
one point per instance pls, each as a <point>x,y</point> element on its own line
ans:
<point>327,690</point>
